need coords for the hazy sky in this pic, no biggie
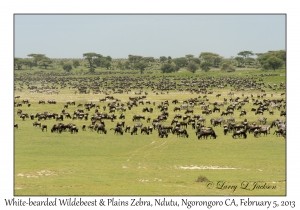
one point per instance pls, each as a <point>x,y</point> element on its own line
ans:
<point>69,36</point>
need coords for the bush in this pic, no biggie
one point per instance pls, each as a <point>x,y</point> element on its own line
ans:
<point>192,66</point>
<point>205,66</point>
<point>67,67</point>
<point>169,68</point>
<point>226,66</point>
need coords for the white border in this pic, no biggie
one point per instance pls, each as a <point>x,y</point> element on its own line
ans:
<point>8,8</point>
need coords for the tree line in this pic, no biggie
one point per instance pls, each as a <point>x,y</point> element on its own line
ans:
<point>205,61</point>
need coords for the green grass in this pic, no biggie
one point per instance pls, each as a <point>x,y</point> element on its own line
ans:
<point>88,163</point>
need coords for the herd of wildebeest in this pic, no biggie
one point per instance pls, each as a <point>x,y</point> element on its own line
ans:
<point>193,112</point>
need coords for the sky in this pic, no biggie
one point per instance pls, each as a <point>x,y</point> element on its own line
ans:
<point>117,35</point>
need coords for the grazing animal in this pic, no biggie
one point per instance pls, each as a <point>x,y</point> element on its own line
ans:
<point>144,130</point>
<point>182,132</point>
<point>36,123</point>
<point>118,130</point>
<point>162,133</point>
<point>207,132</point>
<point>44,127</point>
<point>134,130</point>
<point>240,133</point>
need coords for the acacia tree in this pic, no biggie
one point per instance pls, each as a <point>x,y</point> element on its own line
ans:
<point>249,61</point>
<point>181,62</point>
<point>18,63</point>
<point>240,61</point>
<point>272,59</point>
<point>28,63</point>
<point>226,66</point>
<point>45,62</point>
<point>106,63</point>
<point>205,66</point>
<point>133,59</point>
<point>192,66</point>
<point>91,57</point>
<point>163,59</point>
<point>141,65</point>
<point>196,60</point>
<point>245,54</point>
<point>189,56</point>
<point>274,62</point>
<point>36,57</point>
<point>212,58</point>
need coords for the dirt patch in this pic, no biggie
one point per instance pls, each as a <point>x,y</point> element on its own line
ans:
<point>206,168</point>
<point>154,180</point>
<point>38,174</point>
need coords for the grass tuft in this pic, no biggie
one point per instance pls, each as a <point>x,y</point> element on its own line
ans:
<point>202,179</point>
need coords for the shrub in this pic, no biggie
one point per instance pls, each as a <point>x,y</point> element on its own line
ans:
<point>67,67</point>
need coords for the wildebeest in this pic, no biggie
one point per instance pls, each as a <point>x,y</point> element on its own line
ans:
<point>73,129</point>
<point>36,124</point>
<point>118,130</point>
<point>177,109</point>
<point>44,127</point>
<point>188,111</point>
<point>23,116</point>
<point>134,130</point>
<point>262,120</point>
<point>60,117</point>
<point>206,132</point>
<point>225,130</point>
<point>182,132</point>
<point>137,117</point>
<point>162,133</point>
<point>100,128</point>
<point>282,113</point>
<point>279,132</point>
<point>138,125</point>
<point>19,112</point>
<point>207,112</point>
<point>144,130</point>
<point>263,129</point>
<point>216,109</point>
<point>240,133</point>
<point>127,128</point>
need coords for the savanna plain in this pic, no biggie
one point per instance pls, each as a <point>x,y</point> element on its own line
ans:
<point>93,163</point>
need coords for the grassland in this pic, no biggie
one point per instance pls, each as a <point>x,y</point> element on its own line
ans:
<point>88,163</point>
